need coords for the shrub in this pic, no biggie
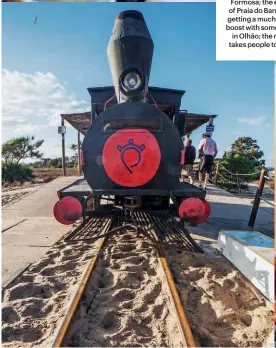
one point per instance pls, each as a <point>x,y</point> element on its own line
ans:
<point>15,172</point>
<point>237,164</point>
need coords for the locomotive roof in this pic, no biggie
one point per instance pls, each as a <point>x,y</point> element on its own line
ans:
<point>82,121</point>
<point>168,100</point>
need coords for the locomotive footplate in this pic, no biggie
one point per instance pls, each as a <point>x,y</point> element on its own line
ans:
<point>81,189</point>
<point>92,229</point>
<point>157,226</point>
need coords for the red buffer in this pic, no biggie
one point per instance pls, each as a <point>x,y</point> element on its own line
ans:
<point>194,210</point>
<point>205,216</point>
<point>67,210</point>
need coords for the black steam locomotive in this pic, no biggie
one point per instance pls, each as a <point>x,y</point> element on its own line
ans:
<point>132,153</point>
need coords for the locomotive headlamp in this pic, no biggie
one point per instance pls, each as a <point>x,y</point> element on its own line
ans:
<point>130,51</point>
<point>132,81</point>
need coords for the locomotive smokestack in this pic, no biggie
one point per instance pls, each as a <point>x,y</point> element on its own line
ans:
<point>130,51</point>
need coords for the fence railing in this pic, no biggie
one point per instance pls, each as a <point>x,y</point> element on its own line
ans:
<point>237,177</point>
<point>217,175</point>
<point>258,196</point>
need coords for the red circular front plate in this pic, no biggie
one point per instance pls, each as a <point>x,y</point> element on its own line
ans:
<point>131,157</point>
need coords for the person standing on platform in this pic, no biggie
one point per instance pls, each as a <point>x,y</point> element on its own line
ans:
<point>190,156</point>
<point>208,149</point>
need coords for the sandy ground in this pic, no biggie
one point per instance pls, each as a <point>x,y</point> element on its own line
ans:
<point>127,302</point>
<point>221,308</point>
<point>12,197</point>
<point>15,191</point>
<point>35,303</point>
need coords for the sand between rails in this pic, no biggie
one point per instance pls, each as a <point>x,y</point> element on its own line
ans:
<point>222,309</point>
<point>131,306</point>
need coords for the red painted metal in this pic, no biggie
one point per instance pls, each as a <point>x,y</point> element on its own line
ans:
<point>182,157</point>
<point>205,216</point>
<point>58,217</point>
<point>131,157</point>
<point>68,210</point>
<point>81,158</point>
<point>191,209</point>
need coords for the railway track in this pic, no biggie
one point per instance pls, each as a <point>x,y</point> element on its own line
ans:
<point>127,297</point>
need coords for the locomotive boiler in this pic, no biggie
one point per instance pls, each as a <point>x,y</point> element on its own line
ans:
<point>132,153</point>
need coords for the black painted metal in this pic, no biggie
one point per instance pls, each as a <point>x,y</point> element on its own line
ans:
<point>162,96</point>
<point>162,224</point>
<point>182,122</point>
<point>96,227</point>
<point>169,141</point>
<point>130,48</point>
<point>80,189</point>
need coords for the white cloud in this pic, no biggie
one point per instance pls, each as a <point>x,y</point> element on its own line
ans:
<point>12,120</point>
<point>31,101</point>
<point>27,128</point>
<point>237,132</point>
<point>253,121</point>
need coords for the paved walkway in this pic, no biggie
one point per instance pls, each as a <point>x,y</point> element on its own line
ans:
<point>229,212</point>
<point>29,229</point>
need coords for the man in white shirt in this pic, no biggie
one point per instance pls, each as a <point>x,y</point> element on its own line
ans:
<point>208,148</point>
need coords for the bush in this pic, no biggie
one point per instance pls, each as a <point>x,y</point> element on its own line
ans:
<point>240,165</point>
<point>15,172</point>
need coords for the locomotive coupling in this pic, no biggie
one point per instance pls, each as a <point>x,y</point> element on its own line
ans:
<point>130,51</point>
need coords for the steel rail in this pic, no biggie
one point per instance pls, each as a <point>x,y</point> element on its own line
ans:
<point>182,318</point>
<point>63,329</point>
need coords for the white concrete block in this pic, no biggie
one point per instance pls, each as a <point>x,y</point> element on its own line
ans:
<point>253,254</point>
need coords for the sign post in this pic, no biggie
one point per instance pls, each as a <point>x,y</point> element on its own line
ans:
<point>210,128</point>
<point>62,131</point>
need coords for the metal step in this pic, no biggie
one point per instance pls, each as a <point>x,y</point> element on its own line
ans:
<point>91,230</point>
<point>167,228</point>
<point>157,226</point>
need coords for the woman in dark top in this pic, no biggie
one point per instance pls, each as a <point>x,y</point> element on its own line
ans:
<point>190,156</point>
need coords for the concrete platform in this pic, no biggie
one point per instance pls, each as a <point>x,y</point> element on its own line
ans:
<point>253,254</point>
<point>29,228</point>
<point>229,212</point>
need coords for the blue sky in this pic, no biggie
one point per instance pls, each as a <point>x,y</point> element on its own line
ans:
<point>48,66</point>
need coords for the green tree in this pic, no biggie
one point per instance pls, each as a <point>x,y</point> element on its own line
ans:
<point>247,147</point>
<point>74,158</point>
<point>17,149</point>
<point>244,158</point>
<point>73,147</point>
<point>15,172</point>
